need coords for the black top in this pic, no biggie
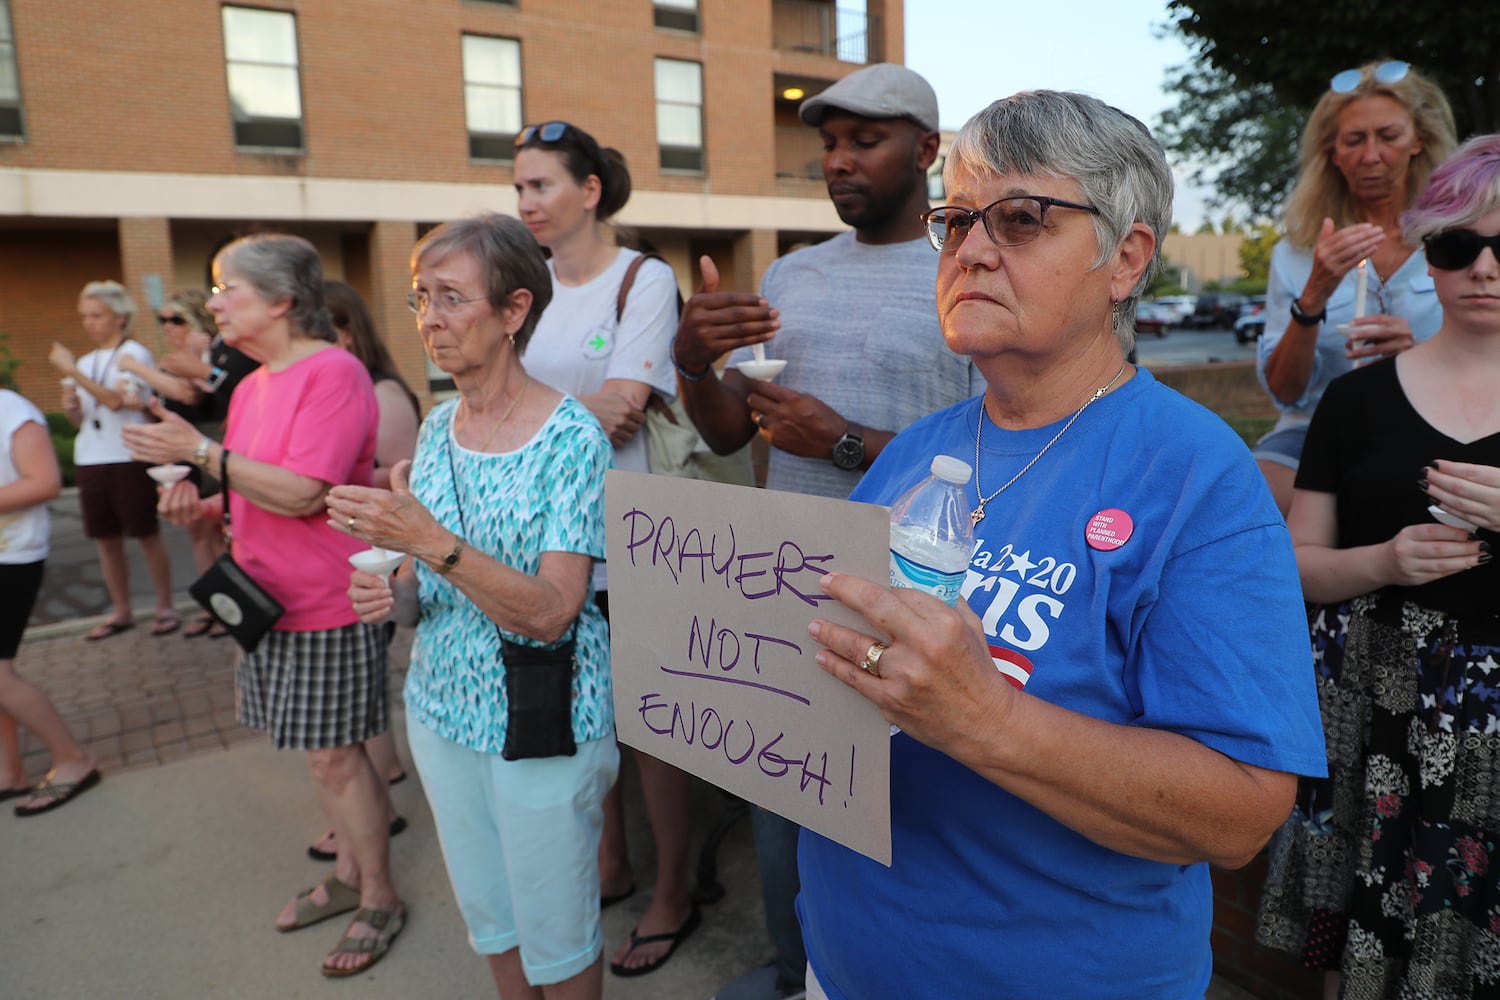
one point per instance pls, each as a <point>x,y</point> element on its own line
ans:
<point>1368,445</point>
<point>213,408</point>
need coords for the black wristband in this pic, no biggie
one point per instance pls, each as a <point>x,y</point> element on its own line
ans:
<point>1307,319</point>
<point>684,372</point>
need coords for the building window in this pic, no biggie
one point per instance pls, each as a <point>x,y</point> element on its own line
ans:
<point>265,94</point>
<point>10,79</point>
<point>679,15</point>
<point>679,114</point>
<point>492,96</point>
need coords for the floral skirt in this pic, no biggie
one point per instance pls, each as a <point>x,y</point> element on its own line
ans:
<point>1386,870</point>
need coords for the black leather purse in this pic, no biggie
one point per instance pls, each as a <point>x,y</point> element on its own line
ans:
<point>229,593</point>
<point>539,699</point>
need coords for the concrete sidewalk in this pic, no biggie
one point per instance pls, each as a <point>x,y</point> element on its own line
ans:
<point>163,882</point>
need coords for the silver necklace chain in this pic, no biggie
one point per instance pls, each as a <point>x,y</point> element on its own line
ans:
<point>978,513</point>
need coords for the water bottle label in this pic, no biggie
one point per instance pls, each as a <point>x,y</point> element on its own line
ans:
<point>909,573</point>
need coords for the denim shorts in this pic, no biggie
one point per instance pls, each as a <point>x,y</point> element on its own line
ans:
<point>521,842</point>
<point>1283,445</point>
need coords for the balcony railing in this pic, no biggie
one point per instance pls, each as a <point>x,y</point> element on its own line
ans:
<point>809,26</point>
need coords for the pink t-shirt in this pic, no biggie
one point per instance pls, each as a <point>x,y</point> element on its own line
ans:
<point>316,418</point>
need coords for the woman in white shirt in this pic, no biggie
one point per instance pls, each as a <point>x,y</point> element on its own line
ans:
<point>610,359</point>
<point>115,495</point>
<point>29,477</point>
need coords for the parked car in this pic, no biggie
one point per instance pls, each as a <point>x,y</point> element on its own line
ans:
<point>1217,310</point>
<point>1251,322</point>
<point>1182,306</point>
<point>1153,317</point>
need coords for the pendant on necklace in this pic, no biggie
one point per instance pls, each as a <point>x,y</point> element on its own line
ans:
<point>977,515</point>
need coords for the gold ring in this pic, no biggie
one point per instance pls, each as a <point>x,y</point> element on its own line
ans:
<point>871,662</point>
<point>351,524</point>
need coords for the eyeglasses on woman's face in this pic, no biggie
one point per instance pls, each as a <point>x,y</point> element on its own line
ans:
<point>1387,73</point>
<point>167,320</point>
<point>1010,222</point>
<point>420,302</point>
<point>1456,249</point>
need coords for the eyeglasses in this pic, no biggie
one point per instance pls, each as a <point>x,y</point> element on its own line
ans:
<point>1458,248</point>
<point>549,132</point>
<point>1010,222</point>
<point>220,289</point>
<point>443,302</point>
<point>1387,72</point>
<point>173,320</point>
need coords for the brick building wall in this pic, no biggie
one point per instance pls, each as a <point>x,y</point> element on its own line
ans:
<point>129,131</point>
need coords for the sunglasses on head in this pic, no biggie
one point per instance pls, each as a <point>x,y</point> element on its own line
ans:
<point>174,320</point>
<point>546,131</point>
<point>1458,248</point>
<point>1387,73</point>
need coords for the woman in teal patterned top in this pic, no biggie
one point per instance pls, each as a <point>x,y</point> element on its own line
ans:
<point>502,516</point>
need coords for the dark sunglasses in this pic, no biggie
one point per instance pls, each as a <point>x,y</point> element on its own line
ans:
<point>548,131</point>
<point>1011,222</point>
<point>174,320</point>
<point>1458,248</point>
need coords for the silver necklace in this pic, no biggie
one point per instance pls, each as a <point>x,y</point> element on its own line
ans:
<point>978,513</point>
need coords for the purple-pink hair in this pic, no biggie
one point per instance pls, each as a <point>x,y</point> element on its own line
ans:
<point>1462,190</point>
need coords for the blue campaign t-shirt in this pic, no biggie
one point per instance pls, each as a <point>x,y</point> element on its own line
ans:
<point>1139,573</point>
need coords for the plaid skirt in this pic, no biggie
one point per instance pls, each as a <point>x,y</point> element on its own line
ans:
<point>316,690</point>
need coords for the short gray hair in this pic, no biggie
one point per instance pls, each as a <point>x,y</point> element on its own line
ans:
<point>281,267</point>
<point>509,258</point>
<point>113,295</point>
<point>1113,157</point>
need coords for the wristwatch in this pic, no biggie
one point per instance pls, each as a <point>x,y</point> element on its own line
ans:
<point>451,559</point>
<point>849,450</point>
<point>200,454</point>
<point>1308,319</point>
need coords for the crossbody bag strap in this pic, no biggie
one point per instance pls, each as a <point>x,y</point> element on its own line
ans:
<point>224,488</point>
<point>655,401</point>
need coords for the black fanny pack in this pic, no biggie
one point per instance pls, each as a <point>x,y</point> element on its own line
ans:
<point>228,593</point>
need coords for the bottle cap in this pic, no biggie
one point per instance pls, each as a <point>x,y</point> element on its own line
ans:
<point>952,470</point>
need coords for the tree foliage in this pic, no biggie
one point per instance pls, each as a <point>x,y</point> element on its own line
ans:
<point>1236,140</point>
<point>1294,47</point>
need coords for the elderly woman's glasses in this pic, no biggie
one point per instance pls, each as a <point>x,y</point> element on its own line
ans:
<point>1387,73</point>
<point>1010,222</point>
<point>171,321</point>
<point>443,302</point>
<point>549,132</point>
<point>1458,248</point>
<point>223,287</point>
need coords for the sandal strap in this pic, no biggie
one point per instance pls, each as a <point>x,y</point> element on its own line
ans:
<point>378,942</point>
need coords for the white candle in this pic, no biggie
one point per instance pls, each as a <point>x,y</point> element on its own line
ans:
<point>759,350</point>
<point>1361,282</point>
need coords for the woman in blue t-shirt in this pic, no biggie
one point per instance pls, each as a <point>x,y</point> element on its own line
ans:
<point>1123,696</point>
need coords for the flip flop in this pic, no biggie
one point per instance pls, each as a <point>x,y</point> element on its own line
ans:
<point>605,902</point>
<point>201,624</point>
<point>165,625</point>
<point>59,793</point>
<point>387,923</point>
<point>217,631</point>
<point>105,630</point>
<point>318,854</point>
<point>341,899</point>
<point>676,938</point>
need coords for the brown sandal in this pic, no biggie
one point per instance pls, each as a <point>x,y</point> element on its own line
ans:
<point>387,922</point>
<point>341,899</point>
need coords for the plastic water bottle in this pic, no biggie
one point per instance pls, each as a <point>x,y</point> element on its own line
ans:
<point>932,535</point>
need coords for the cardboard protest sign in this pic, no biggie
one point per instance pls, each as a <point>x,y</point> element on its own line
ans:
<point>711,589</point>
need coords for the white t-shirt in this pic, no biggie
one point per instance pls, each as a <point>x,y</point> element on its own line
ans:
<point>578,344</point>
<point>99,441</point>
<point>23,533</point>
